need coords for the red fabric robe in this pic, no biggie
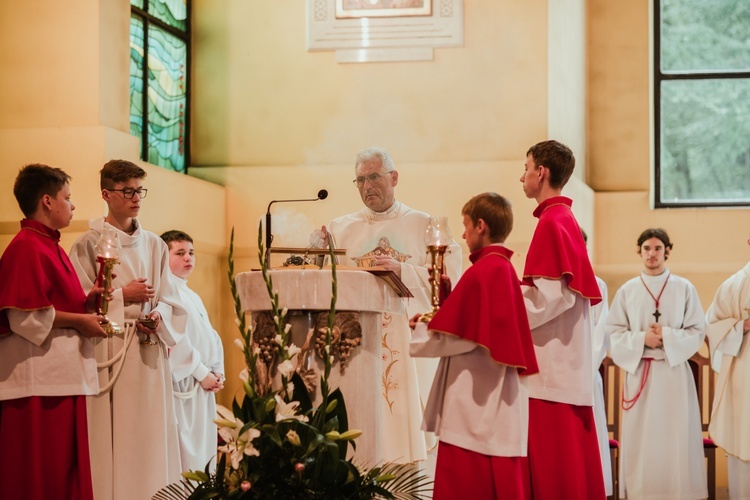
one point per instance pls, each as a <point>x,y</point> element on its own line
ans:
<point>43,439</point>
<point>486,308</point>
<point>563,457</point>
<point>558,250</point>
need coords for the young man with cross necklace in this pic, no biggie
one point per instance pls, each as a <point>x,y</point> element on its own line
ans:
<point>656,324</point>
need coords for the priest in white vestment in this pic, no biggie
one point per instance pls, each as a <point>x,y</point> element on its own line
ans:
<point>728,325</point>
<point>393,236</point>
<point>656,323</point>
<point>132,427</point>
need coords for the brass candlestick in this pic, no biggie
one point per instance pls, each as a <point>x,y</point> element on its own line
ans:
<point>437,238</point>
<point>108,254</point>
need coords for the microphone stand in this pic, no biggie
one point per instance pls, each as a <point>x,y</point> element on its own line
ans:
<point>322,195</point>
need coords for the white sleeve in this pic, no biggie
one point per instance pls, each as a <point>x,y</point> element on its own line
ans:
<point>34,325</point>
<point>429,344</point>
<point>626,345</point>
<point>547,300</point>
<point>681,343</point>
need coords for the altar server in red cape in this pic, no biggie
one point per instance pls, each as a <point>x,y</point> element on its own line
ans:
<point>478,404</point>
<point>48,364</point>
<point>559,289</point>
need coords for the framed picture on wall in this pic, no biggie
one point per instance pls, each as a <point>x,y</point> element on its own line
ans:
<point>382,8</point>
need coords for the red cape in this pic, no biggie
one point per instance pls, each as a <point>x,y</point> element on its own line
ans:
<point>557,250</point>
<point>487,308</point>
<point>36,273</point>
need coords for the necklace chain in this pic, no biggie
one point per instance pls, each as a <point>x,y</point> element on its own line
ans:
<point>657,298</point>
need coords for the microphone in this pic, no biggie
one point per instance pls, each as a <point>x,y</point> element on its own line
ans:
<point>322,195</point>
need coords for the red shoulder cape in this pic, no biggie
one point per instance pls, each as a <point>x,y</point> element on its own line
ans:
<point>557,250</point>
<point>36,273</point>
<point>487,308</point>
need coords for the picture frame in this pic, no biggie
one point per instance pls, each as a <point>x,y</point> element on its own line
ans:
<point>348,9</point>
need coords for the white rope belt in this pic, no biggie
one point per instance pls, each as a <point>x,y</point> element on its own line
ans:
<point>187,394</point>
<point>128,334</point>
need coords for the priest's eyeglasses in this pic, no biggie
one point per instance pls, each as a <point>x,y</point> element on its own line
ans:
<point>129,193</point>
<point>373,178</point>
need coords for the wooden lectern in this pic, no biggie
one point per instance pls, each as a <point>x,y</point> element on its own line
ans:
<point>307,292</point>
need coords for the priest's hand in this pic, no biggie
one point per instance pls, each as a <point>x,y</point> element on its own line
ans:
<point>90,325</point>
<point>137,291</point>
<point>388,263</point>
<point>653,337</point>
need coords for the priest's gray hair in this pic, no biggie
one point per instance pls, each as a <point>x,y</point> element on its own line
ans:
<point>375,153</point>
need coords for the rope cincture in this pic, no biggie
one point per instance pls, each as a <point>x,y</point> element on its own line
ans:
<point>629,403</point>
<point>128,334</point>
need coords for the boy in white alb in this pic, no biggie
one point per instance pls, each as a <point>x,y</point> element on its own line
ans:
<point>132,428</point>
<point>197,364</point>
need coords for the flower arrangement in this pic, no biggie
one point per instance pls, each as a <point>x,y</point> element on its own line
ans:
<point>276,444</point>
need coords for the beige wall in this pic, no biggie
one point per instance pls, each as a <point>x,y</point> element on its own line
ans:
<point>64,102</point>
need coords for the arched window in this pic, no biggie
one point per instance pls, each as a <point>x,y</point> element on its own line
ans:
<point>702,103</point>
<point>159,63</point>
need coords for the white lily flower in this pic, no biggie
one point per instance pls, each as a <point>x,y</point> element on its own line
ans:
<point>287,327</point>
<point>237,321</point>
<point>284,311</point>
<point>290,388</point>
<point>288,411</point>
<point>239,344</point>
<point>227,418</point>
<point>287,368</point>
<point>293,350</point>
<point>237,446</point>
<point>245,375</point>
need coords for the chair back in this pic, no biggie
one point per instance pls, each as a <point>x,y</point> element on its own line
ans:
<point>611,374</point>
<point>703,375</point>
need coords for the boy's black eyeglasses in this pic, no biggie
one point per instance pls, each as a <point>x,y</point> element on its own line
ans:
<point>129,193</point>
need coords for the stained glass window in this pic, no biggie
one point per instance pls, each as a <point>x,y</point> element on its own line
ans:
<point>159,50</point>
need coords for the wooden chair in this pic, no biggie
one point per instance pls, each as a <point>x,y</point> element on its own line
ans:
<point>704,384</point>
<point>611,376</point>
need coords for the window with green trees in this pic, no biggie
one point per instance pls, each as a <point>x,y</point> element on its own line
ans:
<point>159,83</point>
<point>702,102</point>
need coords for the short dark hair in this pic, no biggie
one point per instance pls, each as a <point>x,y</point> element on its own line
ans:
<point>660,234</point>
<point>33,182</point>
<point>175,235</point>
<point>557,158</point>
<point>495,211</point>
<point>115,171</point>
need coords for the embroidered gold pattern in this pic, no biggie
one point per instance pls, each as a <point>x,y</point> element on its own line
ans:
<point>390,358</point>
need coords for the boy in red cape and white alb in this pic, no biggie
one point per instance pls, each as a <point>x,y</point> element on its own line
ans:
<point>559,288</point>
<point>478,404</point>
<point>48,366</point>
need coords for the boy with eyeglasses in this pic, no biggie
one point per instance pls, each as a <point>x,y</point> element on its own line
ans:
<point>133,429</point>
